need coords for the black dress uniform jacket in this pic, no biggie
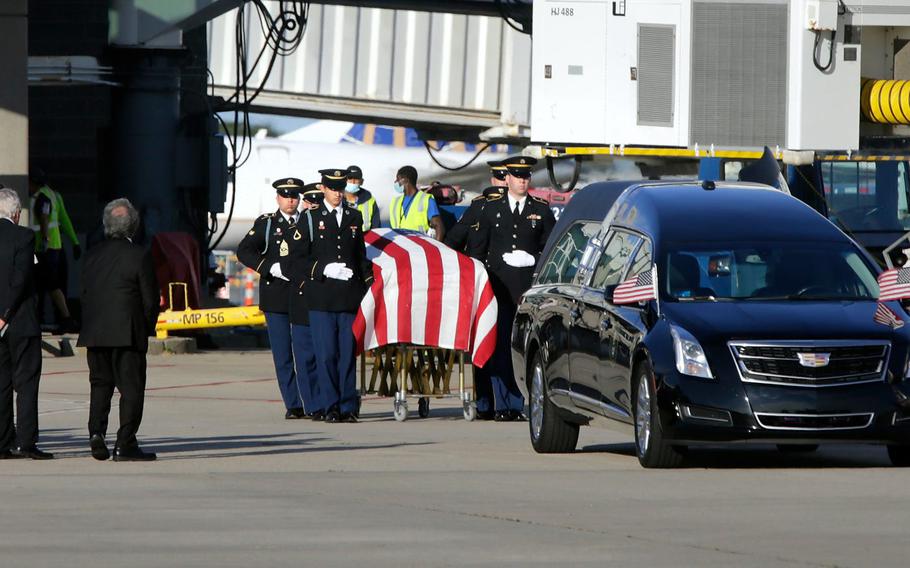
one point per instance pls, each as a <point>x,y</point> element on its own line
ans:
<point>18,304</point>
<point>330,243</point>
<point>120,296</point>
<point>274,293</point>
<point>465,236</point>
<point>501,233</point>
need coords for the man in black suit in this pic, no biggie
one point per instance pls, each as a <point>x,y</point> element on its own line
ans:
<point>20,336</point>
<point>120,308</point>
<point>336,272</point>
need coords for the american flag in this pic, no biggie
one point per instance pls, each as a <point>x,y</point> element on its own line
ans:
<point>894,284</point>
<point>638,288</point>
<point>885,316</point>
<point>425,293</point>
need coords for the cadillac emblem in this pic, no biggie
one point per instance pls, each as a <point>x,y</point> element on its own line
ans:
<point>814,360</point>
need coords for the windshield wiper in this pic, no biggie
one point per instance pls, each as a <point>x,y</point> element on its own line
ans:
<point>697,299</point>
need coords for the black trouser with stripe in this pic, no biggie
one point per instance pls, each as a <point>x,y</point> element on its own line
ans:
<point>20,371</point>
<point>123,368</point>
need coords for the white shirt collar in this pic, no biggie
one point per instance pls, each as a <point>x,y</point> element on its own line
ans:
<point>332,210</point>
<point>513,201</point>
<point>287,217</point>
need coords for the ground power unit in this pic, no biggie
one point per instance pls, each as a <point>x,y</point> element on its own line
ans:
<point>719,74</point>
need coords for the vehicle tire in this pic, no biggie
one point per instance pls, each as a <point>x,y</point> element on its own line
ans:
<point>796,448</point>
<point>899,454</point>
<point>652,450</point>
<point>550,434</point>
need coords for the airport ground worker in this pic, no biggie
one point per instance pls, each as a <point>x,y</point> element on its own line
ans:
<point>414,209</point>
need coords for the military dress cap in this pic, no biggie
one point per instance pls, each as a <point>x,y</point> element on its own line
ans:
<point>312,193</point>
<point>519,166</point>
<point>335,179</point>
<point>497,169</point>
<point>493,190</point>
<point>354,172</point>
<point>288,187</point>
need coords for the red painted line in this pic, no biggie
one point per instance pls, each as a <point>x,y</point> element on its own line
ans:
<point>86,370</point>
<point>213,384</point>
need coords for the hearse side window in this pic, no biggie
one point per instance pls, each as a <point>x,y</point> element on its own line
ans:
<point>563,262</point>
<point>642,260</point>
<point>616,253</point>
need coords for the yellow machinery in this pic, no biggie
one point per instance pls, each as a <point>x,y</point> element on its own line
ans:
<point>173,320</point>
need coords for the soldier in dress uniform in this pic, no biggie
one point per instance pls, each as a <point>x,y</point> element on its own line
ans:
<point>335,273</point>
<point>514,229</point>
<point>465,236</point>
<point>301,334</point>
<point>260,250</point>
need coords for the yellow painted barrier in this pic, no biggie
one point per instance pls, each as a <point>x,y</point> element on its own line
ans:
<point>173,320</point>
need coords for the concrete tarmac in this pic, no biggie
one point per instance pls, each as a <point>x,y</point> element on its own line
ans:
<point>237,485</point>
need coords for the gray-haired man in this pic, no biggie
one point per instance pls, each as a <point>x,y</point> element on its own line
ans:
<point>120,309</point>
<point>20,336</point>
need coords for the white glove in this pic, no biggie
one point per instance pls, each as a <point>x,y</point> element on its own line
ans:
<point>519,259</point>
<point>338,271</point>
<point>275,271</point>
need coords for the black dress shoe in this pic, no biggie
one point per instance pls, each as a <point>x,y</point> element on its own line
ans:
<point>485,415</point>
<point>503,416</point>
<point>34,453</point>
<point>132,454</point>
<point>99,448</point>
<point>333,417</point>
<point>349,417</point>
<point>8,455</point>
<point>293,414</point>
<point>318,416</point>
<point>518,416</point>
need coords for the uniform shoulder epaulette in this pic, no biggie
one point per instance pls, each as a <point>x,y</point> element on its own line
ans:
<point>478,198</point>
<point>540,200</point>
<point>266,216</point>
<point>494,197</point>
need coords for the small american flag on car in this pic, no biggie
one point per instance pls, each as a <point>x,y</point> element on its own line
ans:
<point>639,288</point>
<point>885,316</point>
<point>894,284</point>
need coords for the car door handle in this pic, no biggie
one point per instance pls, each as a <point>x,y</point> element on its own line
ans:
<point>606,324</point>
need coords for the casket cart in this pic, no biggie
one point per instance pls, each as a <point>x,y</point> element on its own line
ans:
<point>427,307</point>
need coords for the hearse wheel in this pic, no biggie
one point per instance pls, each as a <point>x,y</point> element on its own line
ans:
<point>652,450</point>
<point>550,434</point>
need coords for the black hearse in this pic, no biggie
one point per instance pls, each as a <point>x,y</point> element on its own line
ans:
<point>760,325</point>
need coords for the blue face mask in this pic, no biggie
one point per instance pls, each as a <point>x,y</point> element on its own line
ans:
<point>398,188</point>
<point>352,187</point>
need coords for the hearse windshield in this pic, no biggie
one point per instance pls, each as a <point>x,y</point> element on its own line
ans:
<point>762,271</point>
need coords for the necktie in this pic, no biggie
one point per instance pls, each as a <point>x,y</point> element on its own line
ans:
<point>338,216</point>
<point>516,212</point>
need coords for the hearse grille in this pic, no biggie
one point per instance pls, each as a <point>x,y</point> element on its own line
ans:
<point>811,363</point>
<point>814,421</point>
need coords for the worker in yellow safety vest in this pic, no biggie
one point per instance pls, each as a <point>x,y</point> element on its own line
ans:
<point>360,198</point>
<point>413,209</point>
<point>49,216</point>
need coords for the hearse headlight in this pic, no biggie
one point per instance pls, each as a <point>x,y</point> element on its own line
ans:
<point>690,357</point>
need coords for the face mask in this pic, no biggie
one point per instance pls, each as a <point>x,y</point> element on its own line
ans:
<point>398,188</point>
<point>352,187</point>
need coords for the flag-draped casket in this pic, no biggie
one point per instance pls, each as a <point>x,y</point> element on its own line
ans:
<point>425,293</point>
